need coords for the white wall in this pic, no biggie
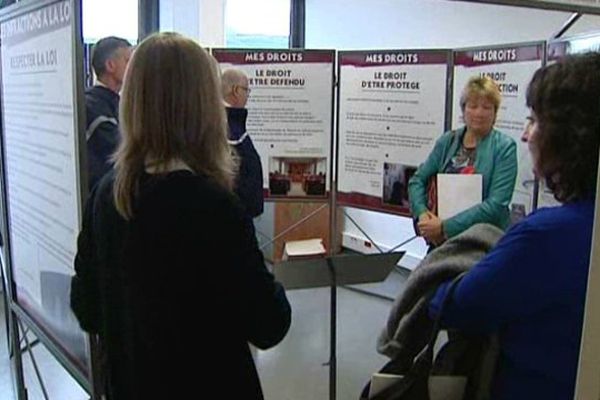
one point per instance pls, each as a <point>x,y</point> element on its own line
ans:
<point>396,24</point>
<point>180,16</point>
<point>212,23</point>
<point>101,20</point>
<point>200,20</point>
<point>354,24</point>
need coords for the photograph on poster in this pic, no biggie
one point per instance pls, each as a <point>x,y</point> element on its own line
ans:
<point>395,184</point>
<point>297,176</point>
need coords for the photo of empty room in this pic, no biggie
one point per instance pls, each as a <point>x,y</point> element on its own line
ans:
<point>297,176</point>
<point>395,183</point>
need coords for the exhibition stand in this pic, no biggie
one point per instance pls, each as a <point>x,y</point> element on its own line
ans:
<point>392,105</point>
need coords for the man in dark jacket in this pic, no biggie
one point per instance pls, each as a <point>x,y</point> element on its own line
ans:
<point>249,183</point>
<point>109,61</point>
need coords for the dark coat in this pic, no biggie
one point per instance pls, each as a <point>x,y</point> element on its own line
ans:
<point>181,284</point>
<point>249,183</point>
<point>102,130</point>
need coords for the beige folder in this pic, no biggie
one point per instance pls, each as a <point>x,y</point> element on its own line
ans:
<point>457,193</point>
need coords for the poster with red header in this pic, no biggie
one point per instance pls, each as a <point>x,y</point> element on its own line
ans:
<point>42,168</point>
<point>392,108</point>
<point>290,118</point>
<point>512,67</point>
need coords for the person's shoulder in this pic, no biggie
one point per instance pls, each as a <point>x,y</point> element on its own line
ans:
<point>552,233</point>
<point>567,219</point>
<point>502,138</point>
<point>100,95</point>
<point>194,192</point>
<point>208,187</point>
<point>97,93</point>
<point>448,136</point>
<point>102,193</point>
<point>572,211</point>
<point>105,184</point>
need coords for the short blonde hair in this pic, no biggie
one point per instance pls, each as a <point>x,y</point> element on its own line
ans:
<point>481,86</point>
<point>170,110</point>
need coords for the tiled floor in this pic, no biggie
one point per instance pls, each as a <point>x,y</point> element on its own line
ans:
<point>294,370</point>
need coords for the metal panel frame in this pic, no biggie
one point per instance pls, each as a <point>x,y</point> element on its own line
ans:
<point>543,5</point>
<point>18,310</point>
<point>297,24</point>
<point>148,18</point>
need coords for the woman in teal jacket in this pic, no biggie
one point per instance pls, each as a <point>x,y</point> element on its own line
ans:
<point>475,148</point>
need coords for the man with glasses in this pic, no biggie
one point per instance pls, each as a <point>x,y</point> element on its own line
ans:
<point>249,182</point>
<point>109,62</point>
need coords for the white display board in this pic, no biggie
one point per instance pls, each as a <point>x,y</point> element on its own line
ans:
<point>289,117</point>
<point>41,163</point>
<point>512,67</point>
<point>392,107</point>
<point>39,136</point>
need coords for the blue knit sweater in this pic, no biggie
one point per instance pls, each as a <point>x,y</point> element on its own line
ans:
<point>531,290</point>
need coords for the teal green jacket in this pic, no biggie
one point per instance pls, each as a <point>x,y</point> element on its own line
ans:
<point>496,161</point>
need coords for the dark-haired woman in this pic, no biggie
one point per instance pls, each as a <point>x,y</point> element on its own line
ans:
<point>530,289</point>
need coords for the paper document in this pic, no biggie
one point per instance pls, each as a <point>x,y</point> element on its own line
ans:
<point>303,248</point>
<point>381,381</point>
<point>440,387</point>
<point>458,192</point>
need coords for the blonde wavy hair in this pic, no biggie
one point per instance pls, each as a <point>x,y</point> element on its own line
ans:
<point>171,110</point>
<point>481,86</point>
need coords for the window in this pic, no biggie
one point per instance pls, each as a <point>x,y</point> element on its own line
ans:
<point>109,18</point>
<point>257,23</point>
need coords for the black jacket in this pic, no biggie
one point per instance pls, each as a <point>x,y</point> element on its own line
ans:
<point>102,130</point>
<point>182,281</point>
<point>249,183</point>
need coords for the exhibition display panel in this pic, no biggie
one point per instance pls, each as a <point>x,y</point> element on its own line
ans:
<point>512,67</point>
<point>41,92</point>
<point>290,117</point>
<point>391,110</point>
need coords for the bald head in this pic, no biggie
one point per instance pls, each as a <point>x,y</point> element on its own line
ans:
<point>235,88</point>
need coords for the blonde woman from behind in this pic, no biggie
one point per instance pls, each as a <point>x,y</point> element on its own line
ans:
<point>145,269</point>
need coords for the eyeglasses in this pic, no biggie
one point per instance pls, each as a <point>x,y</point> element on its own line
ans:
<point>246,89</point>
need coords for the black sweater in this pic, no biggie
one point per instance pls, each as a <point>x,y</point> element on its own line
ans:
<point>182,281</point>
<point>249,182</point>
<point>103,137</point>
